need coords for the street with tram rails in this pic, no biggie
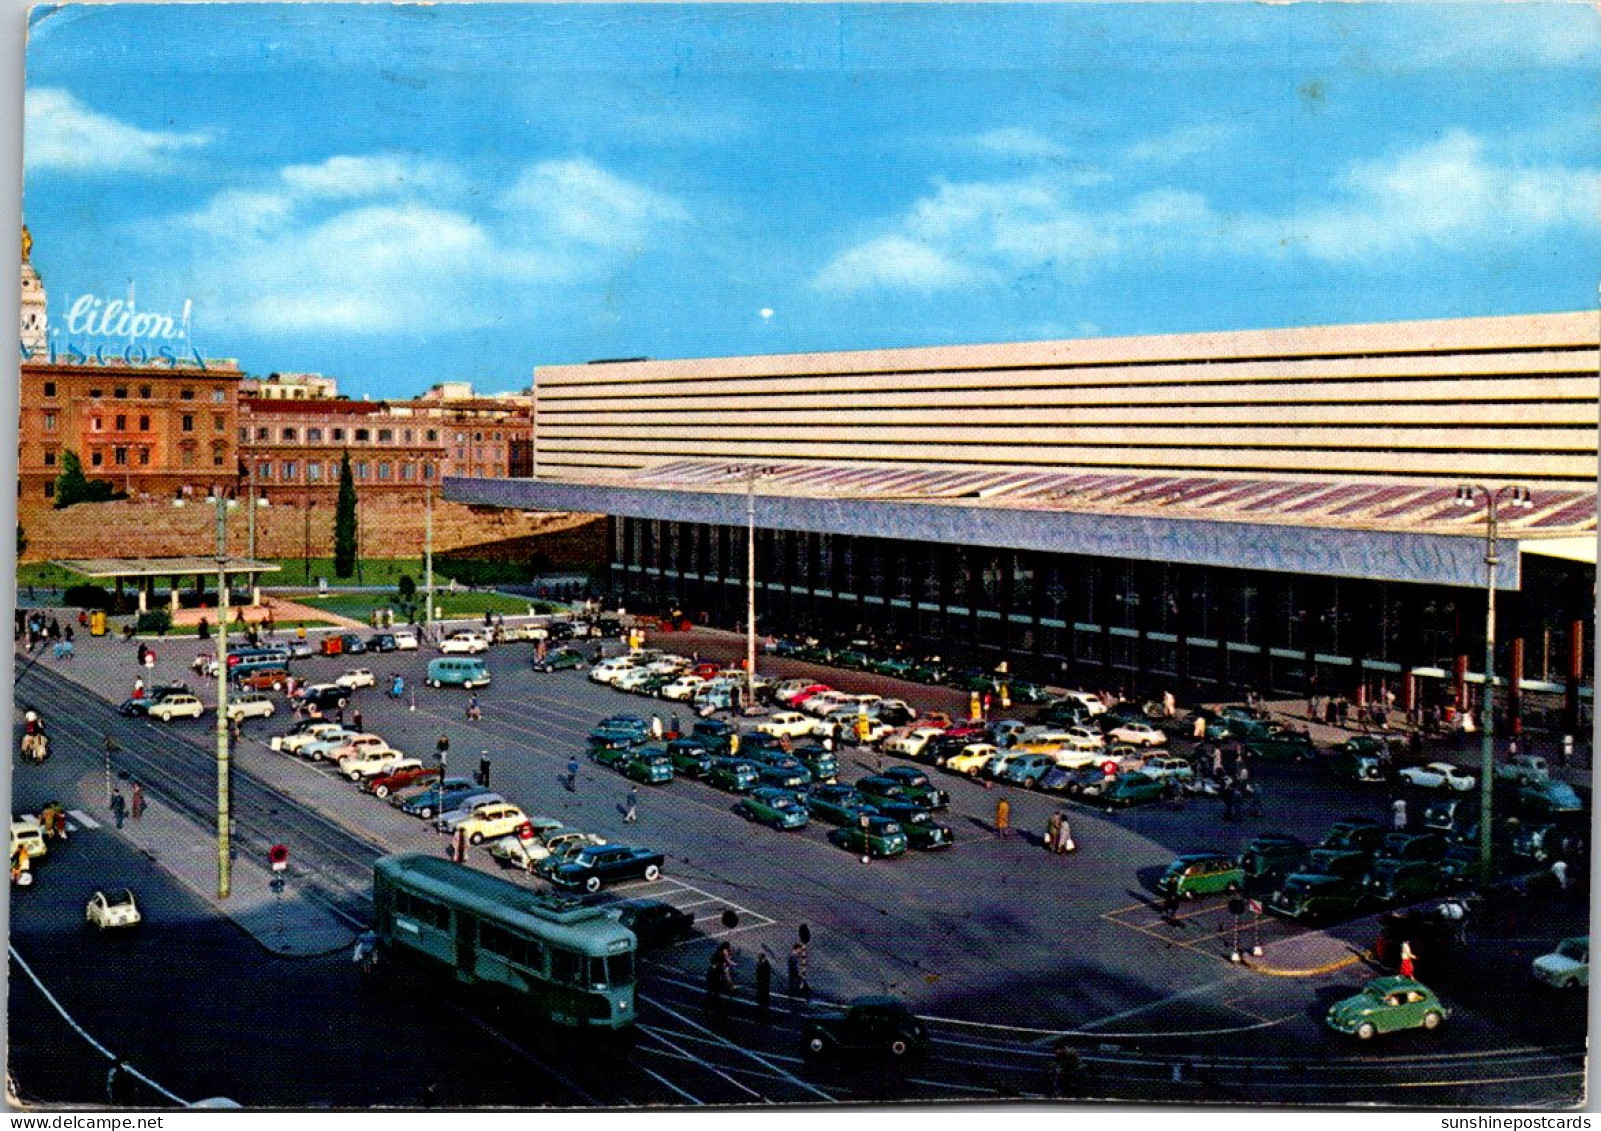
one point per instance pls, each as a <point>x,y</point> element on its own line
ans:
<point>1004,950</point>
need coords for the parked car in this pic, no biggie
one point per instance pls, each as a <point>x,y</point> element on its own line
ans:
<point>1524,769</point>
<point>466,643</point>
<point>1137,734</point>
<point>300,649</point>
<point>622,730</point>
<point>837,804</point>
<point>593,867</point>
<point>780,771</point>
<point>455,811</point>
<point>654,922</point>
<point>113,909</point>
<point>777,808</point>
<point>262,679</point>
<point>560,659</point>
<point>1385,1005</point>
<point>177,707</point>
<point>786,724</point>
<point>1275,743</point>
<point>881,788</point>
<point>1027,769</point>
<point>1314,897</point>
<point>1567,967</point>
<point>382,642</point>
<point>493,820</point>
<point>352,678</point>
<point>1355,832</point>
<point>405,640</point>
<point>922,831</point>
<point>972,760</point>
<point>1437,775</point>
<point>323,696</point>
<point>400,777</point>
<point>304,732</point>
<point>251,705</point>
<point>352,645</point>
<point>880,836</point>
<point>1271,856</point>
<point>867,1026</point>
<point>1545,798</point>
<point>430,800</point>
<point>1202,873</point>
<point>1133,788</point>
<point>733,774</point>
<point>1402,881</point>
<point>377,763</point>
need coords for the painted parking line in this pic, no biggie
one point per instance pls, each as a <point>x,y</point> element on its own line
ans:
<point>1180,931</point>
<point>82,819</point>
<point>673,891</point>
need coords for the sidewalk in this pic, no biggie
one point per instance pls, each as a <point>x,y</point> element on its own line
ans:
<point>286,923</point>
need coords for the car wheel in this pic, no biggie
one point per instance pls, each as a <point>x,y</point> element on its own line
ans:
<point>592,885</point>
<point>1366,1031</point>
<point>476,838</point>
<point>353,776</point>
<point>816,1046</point>
<point>433,683</point>
<point>653,873</point>
<point>1431,1020</point>
<point>380,791</point>
<point>426,813</point>
<point>343,701</point>
<point>1233,888</point>
<point>899,1047</point>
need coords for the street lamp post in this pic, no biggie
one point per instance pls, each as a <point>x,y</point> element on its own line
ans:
<point>428,550</point>
<point>752,474</point>
<point>1516,497</point>
<point>223,793</point>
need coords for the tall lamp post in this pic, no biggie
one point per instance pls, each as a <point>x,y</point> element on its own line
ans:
<point>752,474</point>
<point>1517,497</point>
<point>224,814</point>
<point>428,549</point>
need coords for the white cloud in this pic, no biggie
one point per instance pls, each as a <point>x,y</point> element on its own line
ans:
<point>893,263</point>
<point>1018,141</point>
<point>361,245</point>
<point>1180,144</point>
<point>1445,194</point>
<point>62,133</point>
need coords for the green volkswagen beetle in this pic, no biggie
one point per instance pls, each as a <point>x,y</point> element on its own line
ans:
<point>733,774</point>
<point>1385,1005</point>
<point>649,767</point>
<point>837,804</point>
<point>879,836</point>
<point>776,808</point>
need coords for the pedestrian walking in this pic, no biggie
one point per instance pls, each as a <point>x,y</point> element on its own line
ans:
<point>1398,814</point>
<point>572,775</point>
<point>458,846</point>
<point>119,806</point>
<point>1003,818</point>
<point>355,719</point>
<point>1408,959</point>
<point>483,769</point>
<point>474,711</point>
<point>631,805</point>
<point>656,727</point>
<point>1064,838</point>
<point>442,748</point>
<point>764,985</point>
<point>800,988</point>
<point>136,810</point>
<point>1053,832</point>
<point>1559,872</point>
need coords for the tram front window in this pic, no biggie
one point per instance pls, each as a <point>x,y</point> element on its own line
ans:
<point>616,970</point>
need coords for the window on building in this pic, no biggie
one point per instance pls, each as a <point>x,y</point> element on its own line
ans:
<point>219,455</point>
<point>219,396</point>
<point>186,457</point>
<point>97,458</point>
<point>219,422</point>
<point>291,470</point>
<point>49,489</point>
<point>120,392</point>
<point>144,424</point>
<point>244,435</point>
<point>405,472</point>
<point>386,435</point>
<point>433,435</point>
<point>144,457</point>
<point>461,437</point>
<point>145,391</point>
<point>263,469</point>
<point>461,453</point>
<point>313,435</point>
<point>122,422</point>
<point>188,422</point>
<point>49,388</point>
<point>49,422</point>
<point>361,469</point>
<point>50,458</point>
<point>339,434</point>
<point>314,472</point>
<point>478,437</point>
<point>384,470</point>
<point>288,435</point>
<point>96,393</point>
<point>119,456</point>
<point>405,436</point>
<point>186,394</point>
<point>261,433</point>
<point>96,424</point>
<point>362,435</point>
<point>497,435</point>
<point>427,471</point>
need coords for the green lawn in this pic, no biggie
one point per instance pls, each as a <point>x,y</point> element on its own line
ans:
<point>374,571</point>
<point>359,606</point>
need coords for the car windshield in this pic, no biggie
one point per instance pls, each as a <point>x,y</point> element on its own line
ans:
<point>1574,949</point>
<point>783,803</point>
<point>889,828</point>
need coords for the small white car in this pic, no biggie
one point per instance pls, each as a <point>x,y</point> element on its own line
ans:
<point>488,822</point>
<point>633,679</point>
<point>318,749</point>
<point>375,763</point>
<point>1437,775</point>
<point>405,640</point>
<point>464,643</point>
<point>786,724</point>
<point>178,707</point>
<point>118,909</point>
<point>252,705</point>
<point>294,743</point>
<point>683,688</point>
<point>356,746</point>
<point>356,677</point>
<point>910,741</point>
<point>1567,967</point>
<point>1090,701</point>
<point>26,833</point>
<point>609,671</point>
<point>667,665</point>
<point>1178,769</point>
<point>1137,734</point>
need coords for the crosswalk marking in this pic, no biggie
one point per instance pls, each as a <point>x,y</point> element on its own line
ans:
<point>83,819</point>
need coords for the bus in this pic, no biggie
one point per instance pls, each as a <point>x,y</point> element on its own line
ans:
<point>569,963</point>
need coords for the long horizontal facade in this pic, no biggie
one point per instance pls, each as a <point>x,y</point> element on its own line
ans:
<point>1272,509</point>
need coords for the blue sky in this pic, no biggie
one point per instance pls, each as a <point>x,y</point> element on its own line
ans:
<point>401,195</point>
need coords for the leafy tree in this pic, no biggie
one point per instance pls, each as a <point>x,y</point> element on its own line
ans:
<point>73,486</point>
<point>345,522</point>
<point>406,587</point>
<point>22,541</point>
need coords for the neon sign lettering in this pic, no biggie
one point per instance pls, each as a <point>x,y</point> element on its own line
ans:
<point>97,318</point>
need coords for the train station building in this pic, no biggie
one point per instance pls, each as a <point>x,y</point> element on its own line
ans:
<point>1276,510</point>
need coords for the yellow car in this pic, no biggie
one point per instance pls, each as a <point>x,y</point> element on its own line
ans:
<point>972,760</point>
<point>490,822</point>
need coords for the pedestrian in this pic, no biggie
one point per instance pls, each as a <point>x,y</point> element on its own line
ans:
<point>138,689</point>
<point>1398,814</point>
<point>631,805</point>
<point>119,806</point>
<point>764,985</point>
<point>1053,832</point>
<point>483,769</point>
<point>474,711</point>
<point>1064,838</point>
<point>355,720</point>
<point>572,775</point>
<point>1408,960</point>
<point>1559,872</point>
<point>137,809</point>
<point>1198,728</point>
<point>203,631</point>
<point>458,846</point>
<point>1170,904</point>
<point>799,987</point>
<point>442,748</point>
<point>1067,1068</point>
<point>656,727</point>
<point>1003,818</point>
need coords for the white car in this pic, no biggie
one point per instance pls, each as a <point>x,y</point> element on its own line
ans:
<point>683,688</point>
<point>464,643</point>
<point>609,671</point>
<point>178,707</point>
<point>910,741</point>
<point>1437,775</point>
<point>1137,734</point>
<point>667,665</point>
<point>253,705</point>
<point>786,724</point>
<point>294,743</point>
<point>405,640</point>
<point>1178,769</point>
<point>1090,702</point>
<point>318,749</point>
<point>490,822</point>
<point>374,763</point>
<point>633,679</point>
<point>118,909</point>
<point>356,746</point>
<point>357,677</point>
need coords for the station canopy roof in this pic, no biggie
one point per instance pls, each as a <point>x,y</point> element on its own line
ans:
<point>162,567</point>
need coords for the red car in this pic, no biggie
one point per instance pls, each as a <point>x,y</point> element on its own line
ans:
<point>264,679</point>
<point>806,693</point>
<point>705,669</point>
<point>385,784</point>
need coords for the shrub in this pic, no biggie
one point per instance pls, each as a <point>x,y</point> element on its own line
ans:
<point>87,597</point>
<point>158,621</point>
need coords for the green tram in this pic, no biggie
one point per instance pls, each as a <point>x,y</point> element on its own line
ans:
<point>569,963</point>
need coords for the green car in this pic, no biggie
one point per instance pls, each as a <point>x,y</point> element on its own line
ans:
<point>1403,881</point>
<point>880,837</point>
<point>1385,1005</point>
<point>916,782</point>
<point>822,764</point>
<point>612,757</point>
<point>1133,788</point>
<point>690,757</point>
<point>1363,833</point>
<point>561,659</point>
<point>1202,873</point>
<point>837,804</point>
<point>1349,863</point>
<point>880,789</point>
<point>1274,743</point>
<point>777,808</point>
<point>1316,898</point>
<point>733,774</point>
<point>1272,856</point>
<point>922,831</point>
<point>649,767</point>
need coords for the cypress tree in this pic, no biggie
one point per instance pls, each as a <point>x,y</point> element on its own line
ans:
<point>345,522</point>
